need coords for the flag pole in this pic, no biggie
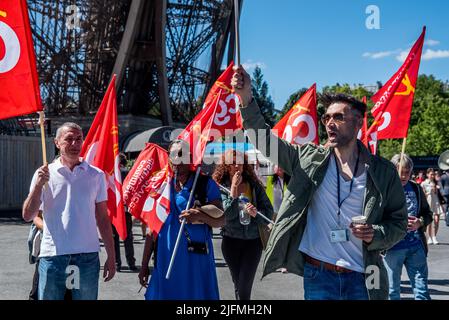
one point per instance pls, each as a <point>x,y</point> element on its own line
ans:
<point>237,34</point>
<point>183,222</point>
<point>259,213</point>
<point>44,147</point>
<point>404,142</point>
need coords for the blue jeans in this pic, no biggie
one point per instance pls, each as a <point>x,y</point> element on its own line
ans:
<point>322,284</point>
<point>79,272</point>
<point>415,262</point>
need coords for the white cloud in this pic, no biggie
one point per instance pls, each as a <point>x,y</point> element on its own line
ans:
<point>430,54</point>
<point>431,42</point>
<point>378,55</point>
<point>403,55</point>
<point>250,65</point>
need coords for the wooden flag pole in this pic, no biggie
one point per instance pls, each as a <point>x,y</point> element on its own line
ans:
<point>404,142</point>
<point>44,147</point>
<point>237,34</point>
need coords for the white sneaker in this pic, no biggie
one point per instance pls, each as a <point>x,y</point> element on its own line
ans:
<point>429,241</point>
<point>435,241</point>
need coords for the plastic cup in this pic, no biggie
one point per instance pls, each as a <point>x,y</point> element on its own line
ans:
<point>358,220</point>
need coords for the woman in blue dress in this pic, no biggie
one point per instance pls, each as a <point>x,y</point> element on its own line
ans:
<point>193,275</point>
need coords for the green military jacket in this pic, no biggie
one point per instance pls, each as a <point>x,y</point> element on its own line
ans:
<point>384,202</point>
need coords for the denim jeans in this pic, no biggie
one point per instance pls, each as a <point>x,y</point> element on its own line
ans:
<point>322,284</point>
<point>79,272</point>
<point>415,262</point>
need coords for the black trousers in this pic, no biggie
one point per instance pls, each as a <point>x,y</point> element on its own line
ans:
<point>128,243</point>
<point>242,257</point>
<point>446,209</point>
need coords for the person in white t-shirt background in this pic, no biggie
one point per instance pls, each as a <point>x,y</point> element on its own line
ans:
<point>73,197</point>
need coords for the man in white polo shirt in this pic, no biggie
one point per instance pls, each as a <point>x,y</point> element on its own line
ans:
<point>72,195</point>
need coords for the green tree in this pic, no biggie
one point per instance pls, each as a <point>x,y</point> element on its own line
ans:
<point>260,94</point>
<point>357,91</point>
<point>290,102</point>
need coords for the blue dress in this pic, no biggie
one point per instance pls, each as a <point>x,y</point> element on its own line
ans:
<point>193,276</point>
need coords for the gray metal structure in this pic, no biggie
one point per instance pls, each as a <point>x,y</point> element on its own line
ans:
<point>166,54</point>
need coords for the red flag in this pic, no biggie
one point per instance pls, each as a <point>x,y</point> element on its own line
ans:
<point>157,205</point>
<point>372,139</point>
<point>100,149</point>
<point>369,140</point>
<point>151,160</point>
<point>300,124</point>
<point>362,132</point>
<point>218,118</point>
<point>393,102</point>
<point>18,76</point>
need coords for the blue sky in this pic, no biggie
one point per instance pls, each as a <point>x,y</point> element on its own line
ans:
<point>298,42</point>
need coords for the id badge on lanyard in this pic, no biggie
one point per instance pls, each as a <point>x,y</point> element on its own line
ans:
<point>341,234</point>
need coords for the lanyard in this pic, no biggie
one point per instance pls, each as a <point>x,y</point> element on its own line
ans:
<point>340,202</point>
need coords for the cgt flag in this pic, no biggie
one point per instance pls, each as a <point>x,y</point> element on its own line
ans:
<point>18,76</point>
<point>362,132</point>
<point>393,102</point>
<point>157,204</point>
<point>219,117</point>
<point>150,162</point>
<point>100,149</point>
<point>370,141</point>
<point>300,124</point>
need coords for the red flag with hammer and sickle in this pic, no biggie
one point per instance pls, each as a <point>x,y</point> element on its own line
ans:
<point>100,149</point>
<point>393,102</point>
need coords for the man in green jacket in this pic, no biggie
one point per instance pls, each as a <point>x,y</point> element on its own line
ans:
<point>314,236</point>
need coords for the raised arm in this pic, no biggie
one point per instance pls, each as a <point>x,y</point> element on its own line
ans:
<point>284,154</point>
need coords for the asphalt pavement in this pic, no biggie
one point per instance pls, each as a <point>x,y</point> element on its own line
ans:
<point>16,273</point>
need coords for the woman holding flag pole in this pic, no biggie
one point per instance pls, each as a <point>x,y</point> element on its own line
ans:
<point>193,276</point>
<point>218,116</point>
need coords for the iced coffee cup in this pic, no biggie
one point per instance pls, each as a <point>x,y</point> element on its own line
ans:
<point>358,220</point>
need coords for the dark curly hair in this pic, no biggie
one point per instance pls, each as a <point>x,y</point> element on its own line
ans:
<point>330,98</point>
<point>221,172</point>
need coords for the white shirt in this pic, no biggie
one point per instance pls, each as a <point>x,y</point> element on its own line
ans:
<point>322,218</point>
<point>68,205</point>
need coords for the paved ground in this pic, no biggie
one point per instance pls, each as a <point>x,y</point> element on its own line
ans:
<point>16,273</point>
